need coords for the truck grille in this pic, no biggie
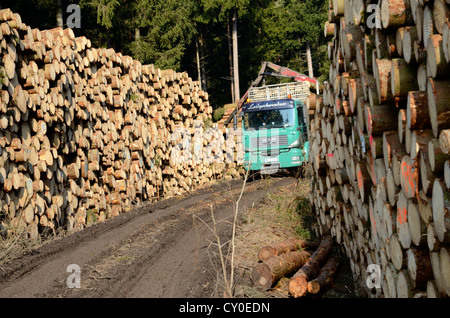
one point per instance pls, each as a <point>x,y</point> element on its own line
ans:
<point>266,142</point>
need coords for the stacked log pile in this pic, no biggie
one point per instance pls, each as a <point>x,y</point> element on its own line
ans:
<point>86,133</point>
<point>379,144</point>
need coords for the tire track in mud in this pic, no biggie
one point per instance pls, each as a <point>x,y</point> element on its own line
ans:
<point>157,250</point>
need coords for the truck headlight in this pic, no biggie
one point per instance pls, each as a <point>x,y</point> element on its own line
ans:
<point>295,144</point>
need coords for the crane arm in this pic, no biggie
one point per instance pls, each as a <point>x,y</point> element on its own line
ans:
<point>280,71</point>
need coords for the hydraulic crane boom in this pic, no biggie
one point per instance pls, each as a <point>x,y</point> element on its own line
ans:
<point>280,71</point>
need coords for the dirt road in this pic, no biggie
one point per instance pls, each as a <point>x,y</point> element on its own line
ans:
<point>158,250</point>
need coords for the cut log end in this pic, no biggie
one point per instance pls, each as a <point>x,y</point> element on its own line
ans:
<point>313,287</point>
<point>325,276</point>
<point>298,287</point>
<point>262,276</point>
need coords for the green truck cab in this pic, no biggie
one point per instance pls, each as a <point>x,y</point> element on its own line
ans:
<point>275,134</point>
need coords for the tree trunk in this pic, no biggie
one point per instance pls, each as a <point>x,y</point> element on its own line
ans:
<point>267,273</point>
<point>419,142</point>
<point>427,176</point>
<point>203,80</point>
<point>403,78</point>
<point>197,57</point>
<point>441,14</point>
<point>379,119</point>
<point>444,264</point>
<point>437,65</point>
<point>441,214</point>
<point>382,70</point>
<point>419,266</point>
<point>438,101</point>
<point>409,37</point>
<point>299,283</point>
<point>59,14</point>
<point>428,25</point>
<point>237,93</point>
<point>409,176</point>
<point>417,116</point>
<point>436,156</point>
<point>444,141</point>
<point>404,285</point>
<point>396,13</point>
<point>309,59</point>
<point>273,250</point>
<point>325,276</point>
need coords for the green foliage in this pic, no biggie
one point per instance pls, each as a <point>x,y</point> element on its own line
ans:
<point>218,114</point>
<point>158,160</point>
<point>91,216</point>
<point>207,123</point>
<point>164,32</point>
<point>166,29</point>
<point>2,75</point>
<point>221,10</point>
<point>105,9</point>
<point>285,29</point>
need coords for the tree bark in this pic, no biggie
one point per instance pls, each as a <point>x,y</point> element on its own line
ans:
<point>382,70</point>
<point>417,116</point>
<point>403,78</point>
<point>379,119</point>
<point>396,13</point>
<point>273,250</point>
<point>436,156</point>
<point>299,283</point>
<point>265,274</point>
<point>438,100</point>
<point>419,266</point>
<point>325,276</point>
<point>308,57</point>
<point>237,93</point>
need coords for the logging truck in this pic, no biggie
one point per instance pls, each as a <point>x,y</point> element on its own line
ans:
<point>275,133</point>
<point>274,122</point>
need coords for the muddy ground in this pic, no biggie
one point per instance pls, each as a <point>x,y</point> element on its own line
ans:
<point>163,249</point>
<point>160,250</point>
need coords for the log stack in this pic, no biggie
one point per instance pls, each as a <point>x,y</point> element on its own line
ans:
<point>380,143</point>
<point>86,133</point>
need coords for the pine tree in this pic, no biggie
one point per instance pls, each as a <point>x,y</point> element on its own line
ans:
<point>165,30</point>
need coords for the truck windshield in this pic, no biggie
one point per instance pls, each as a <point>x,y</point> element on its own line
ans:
<point>277,118</point>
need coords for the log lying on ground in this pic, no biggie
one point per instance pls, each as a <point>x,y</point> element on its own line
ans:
<point>269,251</point>
<point>265,274</point>
<point>325,276</point>
<point>298,285</point>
